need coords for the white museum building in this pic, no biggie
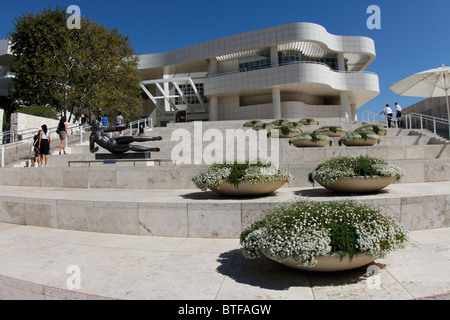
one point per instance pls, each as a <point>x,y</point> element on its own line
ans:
<point>292,71</point>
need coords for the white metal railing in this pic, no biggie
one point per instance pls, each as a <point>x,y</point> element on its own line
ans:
<point>148,123</point>
<point>422,121</point>
<point>30,133</point>
<point>410,121</point>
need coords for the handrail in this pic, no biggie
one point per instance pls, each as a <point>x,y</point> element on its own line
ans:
<point>71,128</point>
<point>411,121</point>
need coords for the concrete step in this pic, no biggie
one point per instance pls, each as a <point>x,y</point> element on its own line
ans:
<point>195,214</point>
<point>168,176</point>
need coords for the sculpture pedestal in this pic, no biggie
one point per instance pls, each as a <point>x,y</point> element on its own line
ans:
<point>123,156</point>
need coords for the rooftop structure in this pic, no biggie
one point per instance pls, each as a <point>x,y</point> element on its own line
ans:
<point>297,70</point>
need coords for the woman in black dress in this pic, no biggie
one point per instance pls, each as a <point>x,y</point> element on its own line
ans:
<point>44,144</point>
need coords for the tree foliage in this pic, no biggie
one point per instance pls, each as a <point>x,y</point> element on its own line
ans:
<point>74,70</point>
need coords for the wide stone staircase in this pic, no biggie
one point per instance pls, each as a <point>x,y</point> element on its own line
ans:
<point>156,198</point>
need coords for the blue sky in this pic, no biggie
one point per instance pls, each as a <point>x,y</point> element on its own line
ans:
<point>414,35</point>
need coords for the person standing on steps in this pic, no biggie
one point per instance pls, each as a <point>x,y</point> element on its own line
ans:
<point>388,112</point>
<point>44,144</point>
<point>399,110</point>
<point>62,131</point>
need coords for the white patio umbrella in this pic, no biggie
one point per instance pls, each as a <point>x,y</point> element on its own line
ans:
<point>427,84</point>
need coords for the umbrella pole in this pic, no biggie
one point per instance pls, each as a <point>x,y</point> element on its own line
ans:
<point>448,113</point>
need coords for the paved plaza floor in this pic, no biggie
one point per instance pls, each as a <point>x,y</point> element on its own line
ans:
<point>43,263</point>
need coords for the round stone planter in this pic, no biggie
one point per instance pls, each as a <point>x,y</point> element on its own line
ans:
<point>359,184</point>
<point>338,134</point>
<point>310,144</point>
<point>281,135</point>
<point>268,127</point>
<point>333,263</point>
<point>289,135</point>
<point>382,132</point>
<point>247,189</point>
<point>312,123</point>
<point>360,142</point>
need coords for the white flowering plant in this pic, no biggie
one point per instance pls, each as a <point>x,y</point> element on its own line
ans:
<point>348,167</point>
<point>234,173</point>
<point>311,136</point>
<point>373,128</point>
<point>304,230</point>
<point>366,135</point>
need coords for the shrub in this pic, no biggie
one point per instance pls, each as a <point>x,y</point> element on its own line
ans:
<point>347,167</point>
<point>303,230</point>
<point>234,173</point>
<point>359,135</point>
<point>311,136</point>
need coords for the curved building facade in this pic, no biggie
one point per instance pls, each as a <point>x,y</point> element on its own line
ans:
<point>296,71</point>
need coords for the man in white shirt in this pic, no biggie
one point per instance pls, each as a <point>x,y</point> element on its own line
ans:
<point>399,111</point>
<point>388,112</point>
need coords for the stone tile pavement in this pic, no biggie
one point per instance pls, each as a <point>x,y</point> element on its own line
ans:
<point>43,263</point>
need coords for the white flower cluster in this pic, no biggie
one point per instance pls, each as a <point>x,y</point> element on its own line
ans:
<point>389,170</point>
<point>211,177</point>
<point>308,136</point>
<point>301,231</point>
<point>254,173</point>
<point>360,135</point>
<point>347,167</point>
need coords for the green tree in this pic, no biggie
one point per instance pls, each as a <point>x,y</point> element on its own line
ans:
<point>74,70</point>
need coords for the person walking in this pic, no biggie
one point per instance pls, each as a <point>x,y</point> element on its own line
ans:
<point>62,131</point>
<point>44,145</point>
<point>399,111</point>
<point>105,121</point>
<point>388,112</point>
<point>119,122</point>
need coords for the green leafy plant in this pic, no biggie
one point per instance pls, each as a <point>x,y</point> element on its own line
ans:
<point>311,136</point>
<point>280,122</point>
<point>304,230</point>
<point>347,167</point>
<point>369,128</point>
<point>308,121</point>
<point>252,123</point>
<point>333,129</point>
<point>234,173</point>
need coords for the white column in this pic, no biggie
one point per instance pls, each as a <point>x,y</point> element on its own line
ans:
<point>346,110</point>
<point>213,109</point>
<point>341,61</point>
<point>213,67</point>
<point>354,116</point>
<point>166,89</point>
<point>276,102</point>
<point>274,56</point>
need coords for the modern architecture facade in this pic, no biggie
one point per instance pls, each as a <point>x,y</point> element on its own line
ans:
<point>293,71</point>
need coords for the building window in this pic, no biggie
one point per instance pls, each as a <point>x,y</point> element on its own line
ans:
<point>255,62</point>
<point>332,63</point>
<point>289,56</point>
<point>189,94</point>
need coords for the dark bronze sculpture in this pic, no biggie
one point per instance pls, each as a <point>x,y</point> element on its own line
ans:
<point>117,145</point>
